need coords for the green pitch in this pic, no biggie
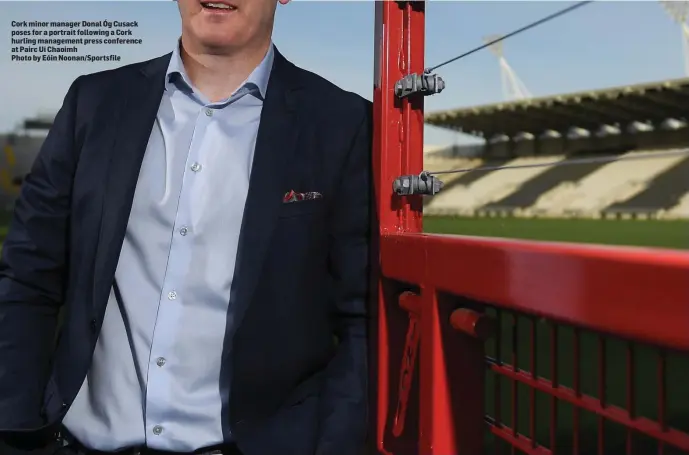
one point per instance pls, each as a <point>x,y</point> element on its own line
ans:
<point>651,233</point>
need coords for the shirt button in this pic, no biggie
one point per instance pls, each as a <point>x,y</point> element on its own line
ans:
<point>184,231</point>
<point>157,430</point>
<point>172,295</point>
<point>196,167</point>
<point>160,362</point>
<point>209,112</point>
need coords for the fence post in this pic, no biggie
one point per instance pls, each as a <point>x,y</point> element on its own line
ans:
<point>397,150</point>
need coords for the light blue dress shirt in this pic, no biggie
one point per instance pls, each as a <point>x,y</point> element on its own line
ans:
<point>155,376</point>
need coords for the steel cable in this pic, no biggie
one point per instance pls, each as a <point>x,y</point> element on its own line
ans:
<point>567,162</point>
<point>548,18</point>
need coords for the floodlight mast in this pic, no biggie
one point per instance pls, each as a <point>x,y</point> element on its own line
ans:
<point>678,11</point>
<point>512,87</point>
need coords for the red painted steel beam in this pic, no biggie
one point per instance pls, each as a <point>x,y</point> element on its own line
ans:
<point>398,124</point>
<point>449,399</point>
<point>613,413</point>
<point>397,150</point>
<point>635,293</point>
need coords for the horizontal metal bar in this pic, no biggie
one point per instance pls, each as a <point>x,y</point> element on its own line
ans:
<point>613,413</point>
<point>635,293</point>
<point>521,442</point>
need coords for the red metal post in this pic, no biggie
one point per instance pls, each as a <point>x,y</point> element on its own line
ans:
<point>397,150</point>
<point>398,146</point>
<point>449,401</point>
<point>637,294</point>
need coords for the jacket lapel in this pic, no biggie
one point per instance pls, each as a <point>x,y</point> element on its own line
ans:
<point>275,147</point>
<point>137,112</point>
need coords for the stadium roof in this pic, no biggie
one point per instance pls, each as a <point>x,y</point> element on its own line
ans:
<point>654,102</point>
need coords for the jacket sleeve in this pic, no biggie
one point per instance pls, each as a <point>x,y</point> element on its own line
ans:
<point>33,273</point>
<point>344,398</point>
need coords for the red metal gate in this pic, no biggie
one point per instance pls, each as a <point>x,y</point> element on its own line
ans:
<point>480,341</point>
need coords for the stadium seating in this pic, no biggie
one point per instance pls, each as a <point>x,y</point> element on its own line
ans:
<point>614,182</point>
<point>680,211</point>
<point>531,191</point>
<point>616,123</point>
<point>637,184</point>
<point>665,194</point>
<point>432,164</point>
<point>472,190</point>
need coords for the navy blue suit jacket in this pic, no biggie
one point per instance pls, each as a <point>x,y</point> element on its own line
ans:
<point>302,267</point>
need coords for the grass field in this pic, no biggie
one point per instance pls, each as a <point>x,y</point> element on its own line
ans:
<point>665,234</point>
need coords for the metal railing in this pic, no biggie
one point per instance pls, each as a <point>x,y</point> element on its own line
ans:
<point>502,346</point>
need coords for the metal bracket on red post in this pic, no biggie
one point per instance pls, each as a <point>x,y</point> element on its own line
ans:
<point>425,84</point>
<point>398,144</point>
<point>424,183</point>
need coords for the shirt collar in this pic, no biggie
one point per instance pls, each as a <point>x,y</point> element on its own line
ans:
<point>259,77</point>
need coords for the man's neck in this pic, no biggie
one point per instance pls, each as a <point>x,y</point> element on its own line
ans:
<point>218,76</point>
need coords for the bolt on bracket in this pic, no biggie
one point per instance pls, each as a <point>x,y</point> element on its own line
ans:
<point>426,84</point>
<point>424,184</point>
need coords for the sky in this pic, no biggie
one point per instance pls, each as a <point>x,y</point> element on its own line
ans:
<point>603,44</point>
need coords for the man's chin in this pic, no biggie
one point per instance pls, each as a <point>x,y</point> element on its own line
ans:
<point>219,47</point>
<point>218,42</point>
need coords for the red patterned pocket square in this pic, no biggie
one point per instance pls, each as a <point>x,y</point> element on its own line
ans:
<point>293,196</point>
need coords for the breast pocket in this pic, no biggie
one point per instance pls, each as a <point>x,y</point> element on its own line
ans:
<point>302,208</point>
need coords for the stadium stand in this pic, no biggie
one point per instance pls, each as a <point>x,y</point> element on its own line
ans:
<point>680,211</point>
<point>475,189</point>
<point>442,164</point>
<point>613,182</point>
<point>458,179</point>
<point>622,128</point>
<point>667,193</point>
<point>529,193</point>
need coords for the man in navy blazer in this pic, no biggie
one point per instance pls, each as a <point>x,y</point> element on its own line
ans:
<point>199,224</point>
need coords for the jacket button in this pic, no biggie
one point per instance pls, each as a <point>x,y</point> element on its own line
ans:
<point>94,325</point>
